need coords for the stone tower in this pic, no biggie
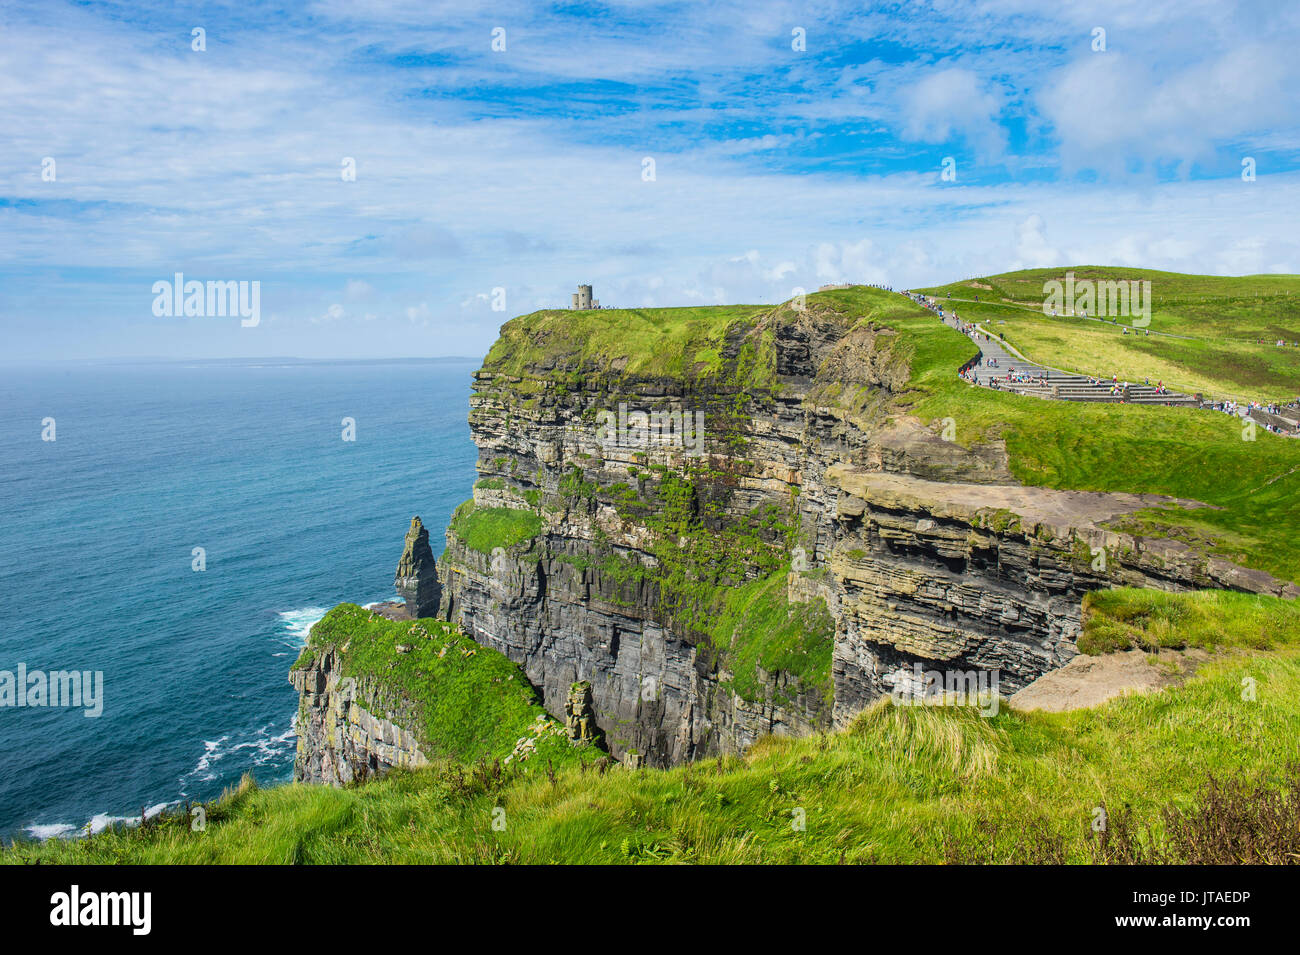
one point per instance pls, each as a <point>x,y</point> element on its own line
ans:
<point>417,574</point>
<point>582,298</point>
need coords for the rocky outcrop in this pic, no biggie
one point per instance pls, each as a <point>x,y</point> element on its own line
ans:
<point>417,574</point>
<point>341,737</point>
<point>985,576</point>
<point>579,717</point>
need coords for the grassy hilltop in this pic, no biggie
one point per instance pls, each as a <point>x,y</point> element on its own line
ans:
<point>1209,334</point>
<point>903,784</point>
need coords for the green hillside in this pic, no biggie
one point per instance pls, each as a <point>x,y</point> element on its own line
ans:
<point>1210,334</point>
<point>1181,452</point>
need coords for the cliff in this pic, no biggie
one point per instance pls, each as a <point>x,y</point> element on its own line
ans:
<point>733,522</point>
<point>377,694</point>
<point>340,737</point>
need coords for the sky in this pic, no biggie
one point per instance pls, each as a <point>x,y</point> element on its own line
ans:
<point>401,178</point>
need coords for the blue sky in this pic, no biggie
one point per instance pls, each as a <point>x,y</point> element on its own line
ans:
<point>522,169</point>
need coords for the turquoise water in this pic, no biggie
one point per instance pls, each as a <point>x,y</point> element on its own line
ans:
<point>150,461</point>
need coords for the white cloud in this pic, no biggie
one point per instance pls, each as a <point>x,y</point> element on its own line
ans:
<point>1113,108</point>
<point>1032,248</point>
<point>358,290</point>
<point>952,103</point>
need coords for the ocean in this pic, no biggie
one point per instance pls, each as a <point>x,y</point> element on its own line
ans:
<point>99,570</point>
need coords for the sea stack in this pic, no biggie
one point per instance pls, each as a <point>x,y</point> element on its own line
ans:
<point>417,573</point>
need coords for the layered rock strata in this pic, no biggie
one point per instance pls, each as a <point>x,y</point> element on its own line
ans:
<point>344,733</point>
<point>920,549</point>
<point>417,573</point>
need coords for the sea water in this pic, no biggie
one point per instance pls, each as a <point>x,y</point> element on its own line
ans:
<point>180,534</point>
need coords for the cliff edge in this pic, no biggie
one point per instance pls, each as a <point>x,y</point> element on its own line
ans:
<point>743,521</point>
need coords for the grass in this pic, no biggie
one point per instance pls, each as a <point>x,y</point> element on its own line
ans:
<point>680,343</point>
<point>902,784</point>
<point>1128,618</point>
<point>463,701</point>
<point>1229,326</point>
<point>486,528</point>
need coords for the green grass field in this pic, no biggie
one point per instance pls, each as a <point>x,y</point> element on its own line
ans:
<point>1229,327</point>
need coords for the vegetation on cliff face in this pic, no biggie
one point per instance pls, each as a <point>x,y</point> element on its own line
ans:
<point>759,629</point>
<point>486,528</point>
<point>902,784</point>
<point>467,701</point>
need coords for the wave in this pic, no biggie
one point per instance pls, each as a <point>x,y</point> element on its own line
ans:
<point>295,625</point>
<point>269,745</point>
<point>98,823</point>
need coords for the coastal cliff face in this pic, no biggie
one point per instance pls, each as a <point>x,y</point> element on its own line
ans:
<point>742,534</point>
<point>344,733</point>
<point>378,690</point>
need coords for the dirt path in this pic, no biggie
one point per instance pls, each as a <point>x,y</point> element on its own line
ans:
<point>1090,681</point>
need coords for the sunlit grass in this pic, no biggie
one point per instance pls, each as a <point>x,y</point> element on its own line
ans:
<point>902,784</point>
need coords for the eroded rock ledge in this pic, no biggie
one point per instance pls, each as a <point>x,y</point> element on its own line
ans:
<point>986,576</point>
<point>340,736</point>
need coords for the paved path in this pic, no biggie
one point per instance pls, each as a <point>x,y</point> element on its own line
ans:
<point>1004,367</point>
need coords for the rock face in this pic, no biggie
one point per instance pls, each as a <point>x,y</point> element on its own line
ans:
<point>417,573</point>
<point>918,549</point>
<point>985,577</point>
<point>340,737</point>
<point>579,717</point>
